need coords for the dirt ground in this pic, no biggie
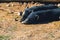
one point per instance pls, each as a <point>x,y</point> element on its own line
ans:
<point>12,29</point>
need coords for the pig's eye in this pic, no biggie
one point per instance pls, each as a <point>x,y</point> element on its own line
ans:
<point>37,17</point>
<point>30,11</point>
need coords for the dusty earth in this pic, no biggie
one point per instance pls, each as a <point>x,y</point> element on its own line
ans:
<point>12,29</point>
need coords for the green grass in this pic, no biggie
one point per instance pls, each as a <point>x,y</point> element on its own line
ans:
<point>13,28</point>
<point>3,37</point>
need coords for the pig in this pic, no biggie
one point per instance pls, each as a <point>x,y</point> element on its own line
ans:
<point>36,8</point>
<point>42,16</point>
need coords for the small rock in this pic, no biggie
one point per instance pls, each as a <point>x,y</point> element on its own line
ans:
<point>27,7</point>
<point>58,5</point>
<point>12,5</point>
<point>11,11</point>
<point>16,19</point>
<point>8,5</point>
<point>21,13</point>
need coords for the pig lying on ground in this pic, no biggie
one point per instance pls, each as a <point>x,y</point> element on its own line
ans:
<point>36,8</point>
<point>42,16</point>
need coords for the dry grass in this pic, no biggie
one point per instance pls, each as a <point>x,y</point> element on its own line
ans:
<point>14,30</point>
